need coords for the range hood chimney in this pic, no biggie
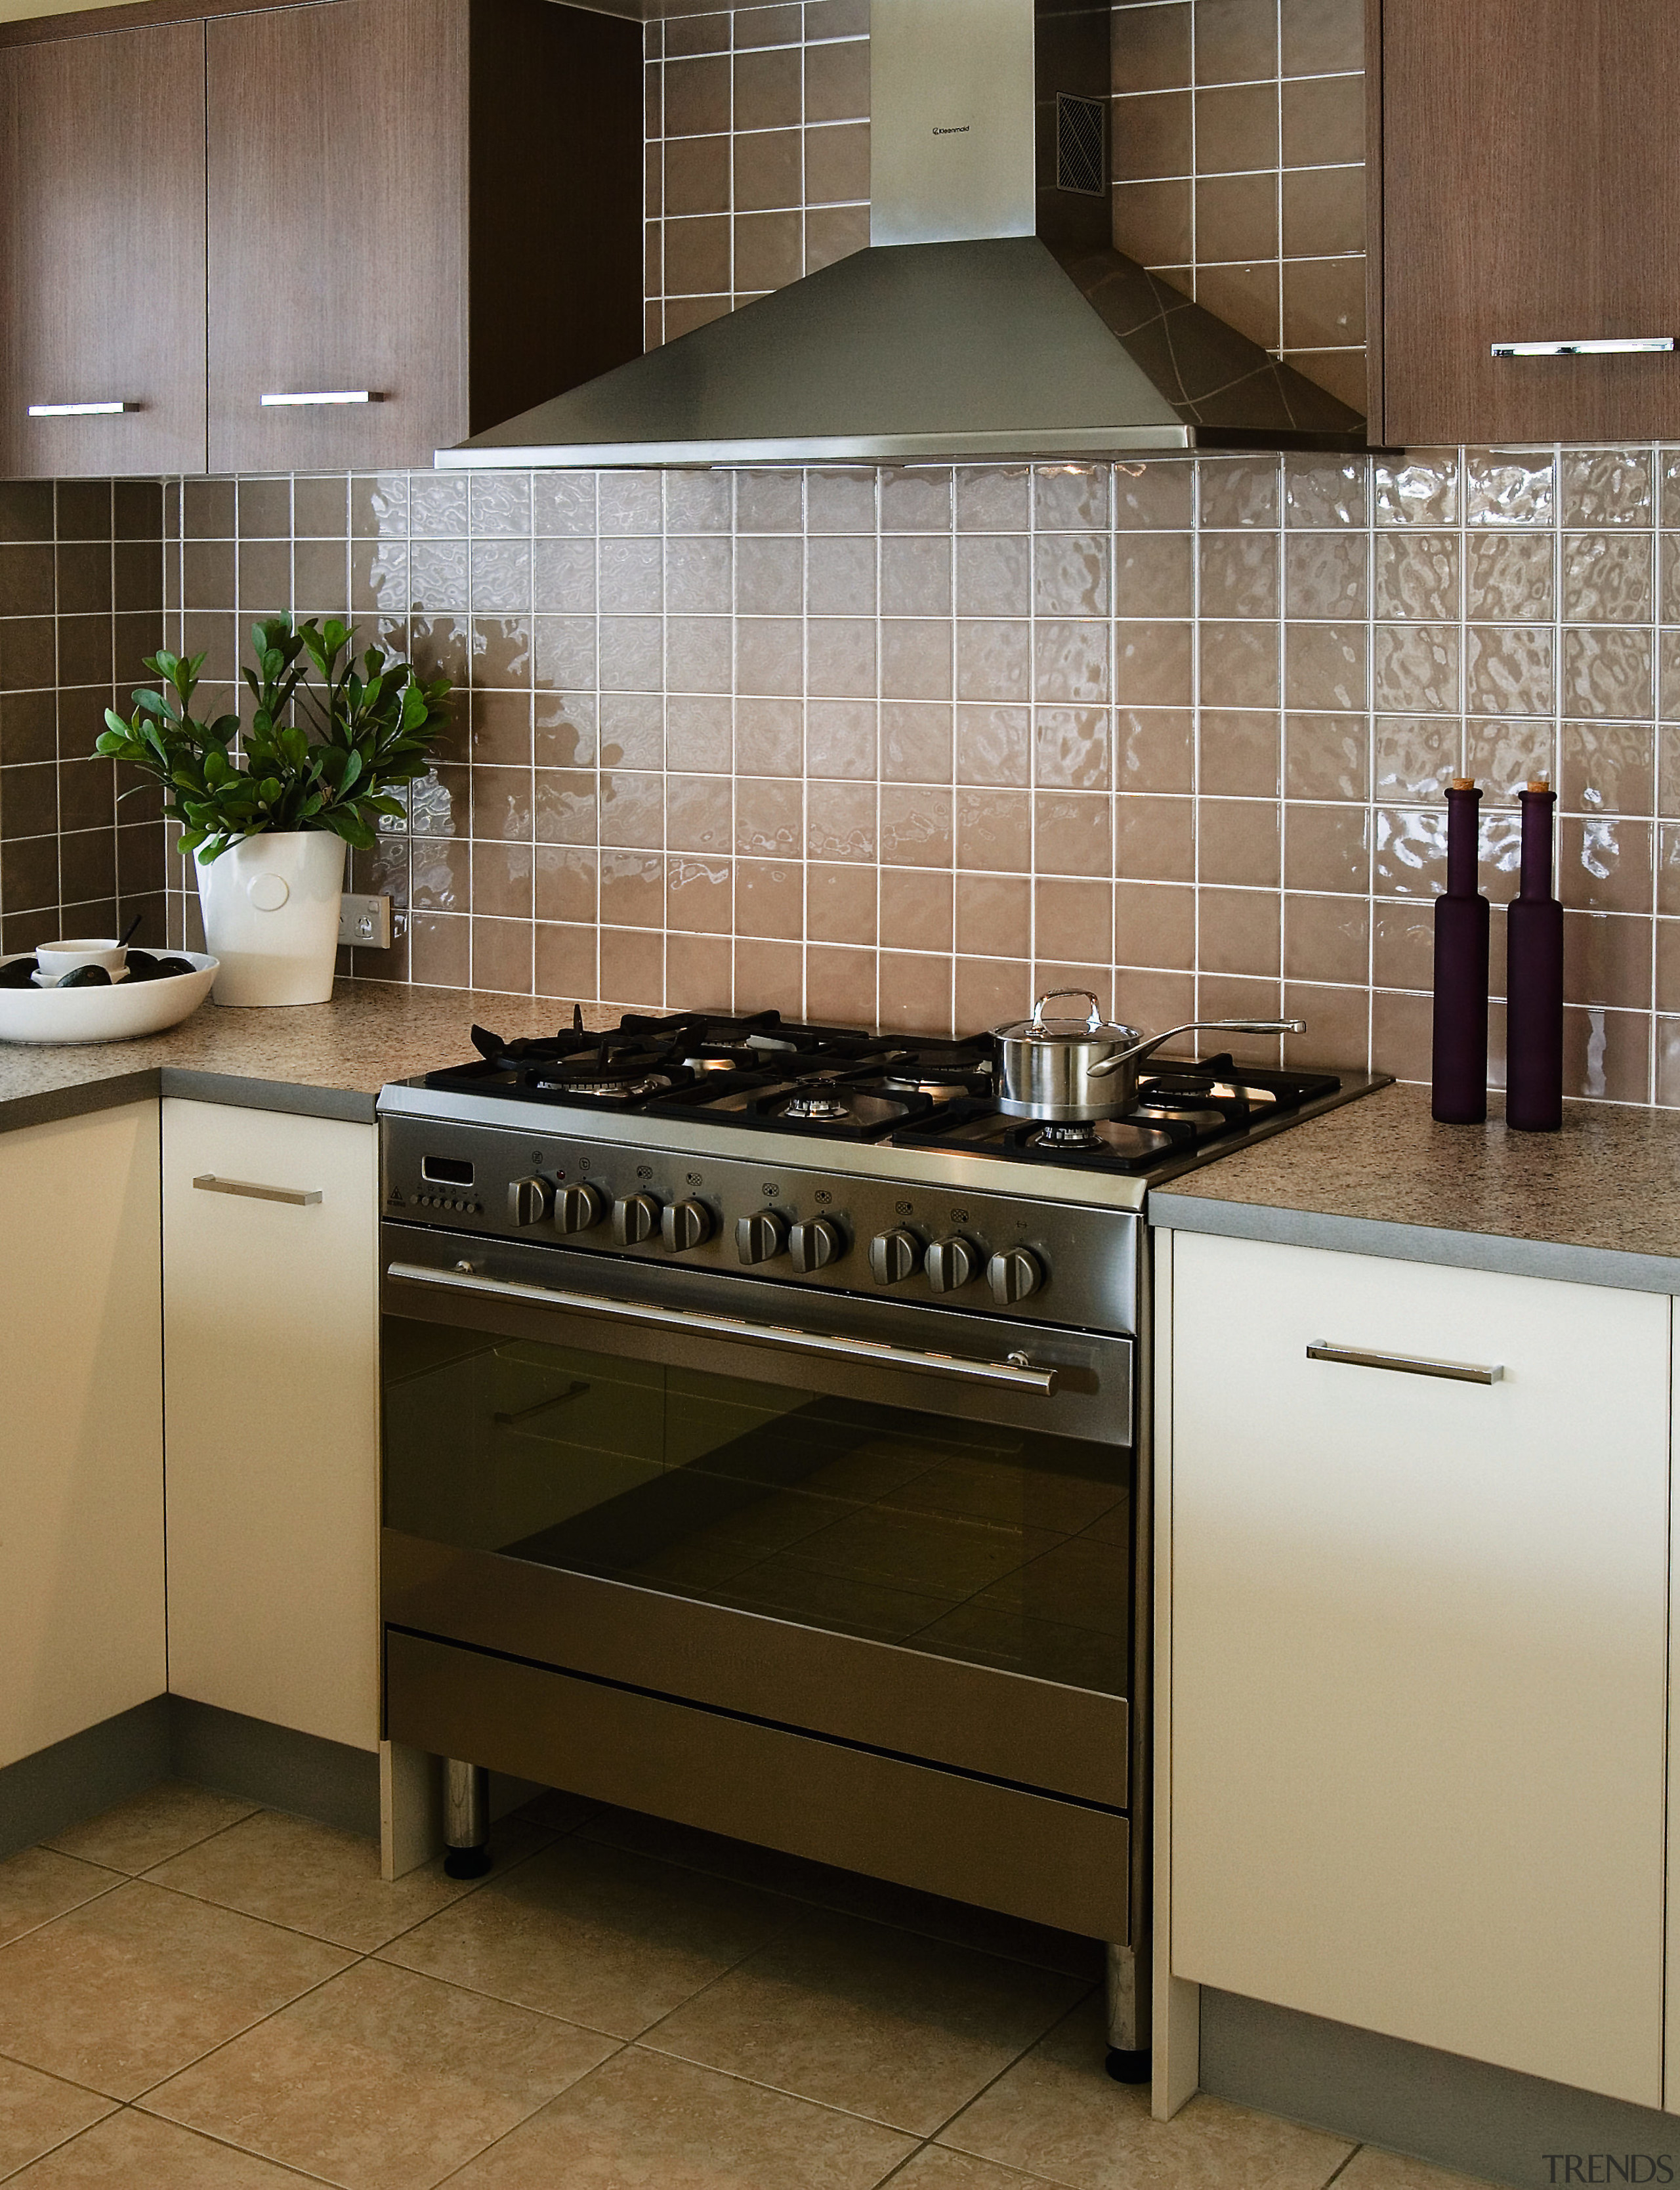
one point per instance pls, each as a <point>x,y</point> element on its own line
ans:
<point>990,315</point>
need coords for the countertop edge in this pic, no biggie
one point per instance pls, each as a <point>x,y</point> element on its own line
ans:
<point>147,1082</point>
<point>239,1091</point>
<point>54,1104</point>
<point>1499,1252</point>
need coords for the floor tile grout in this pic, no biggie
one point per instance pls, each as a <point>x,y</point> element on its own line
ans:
<point>783,1912</point>
<point>231,2144</point>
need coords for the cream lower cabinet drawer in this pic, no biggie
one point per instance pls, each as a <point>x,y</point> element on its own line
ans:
<point>1418,1655</point>
<point>270,1324</point>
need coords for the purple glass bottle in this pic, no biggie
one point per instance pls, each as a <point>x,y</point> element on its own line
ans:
<point>1533,981</point>
<point>1459,1068</point>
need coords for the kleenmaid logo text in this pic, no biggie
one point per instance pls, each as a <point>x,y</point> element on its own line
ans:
<point>1609,2166</point>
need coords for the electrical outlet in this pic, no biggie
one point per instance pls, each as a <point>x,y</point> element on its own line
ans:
<point>365,922</point>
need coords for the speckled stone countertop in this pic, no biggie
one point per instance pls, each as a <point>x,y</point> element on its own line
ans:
<point>1598,1203</point>
<point>329,1060</point>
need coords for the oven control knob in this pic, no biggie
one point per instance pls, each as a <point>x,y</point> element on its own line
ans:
<point>761,1237</point>
<point>579,1208</point>
<point>685,1224</point>
<point>634,1219</point>
<point>529,1201</point>
<point>892,1256</point>
<point>1014,1274</point>
<point>950,1263</point>
<point>814,1245</point>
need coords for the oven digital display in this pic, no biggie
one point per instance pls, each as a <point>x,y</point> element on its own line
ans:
<point>446,1170</point>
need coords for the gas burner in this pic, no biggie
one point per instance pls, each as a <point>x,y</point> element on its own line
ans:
<point>817,1102</point>
<point>1073,1136</point>
<point>612,1091</point>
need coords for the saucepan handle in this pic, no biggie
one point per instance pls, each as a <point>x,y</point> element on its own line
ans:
<point>1105,1065</point>
<point>1092,1024</point>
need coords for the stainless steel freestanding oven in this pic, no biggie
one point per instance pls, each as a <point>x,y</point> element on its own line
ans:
<point>749,1465</point>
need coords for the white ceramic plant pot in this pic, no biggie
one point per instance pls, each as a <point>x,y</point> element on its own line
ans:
<point>270,907</point>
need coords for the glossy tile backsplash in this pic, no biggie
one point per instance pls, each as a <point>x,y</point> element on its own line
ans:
<point>910,747</point>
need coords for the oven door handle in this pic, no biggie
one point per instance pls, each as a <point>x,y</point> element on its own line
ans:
<point>1017,1373</point>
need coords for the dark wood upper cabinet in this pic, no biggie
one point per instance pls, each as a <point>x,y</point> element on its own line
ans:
<point>436,202</point>
<point>1528,195</point>
<point>102,252</point>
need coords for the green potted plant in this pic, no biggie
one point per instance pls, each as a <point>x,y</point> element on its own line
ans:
<point>269,812</point>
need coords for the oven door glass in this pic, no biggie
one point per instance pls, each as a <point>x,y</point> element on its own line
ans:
<point>999,1546</point>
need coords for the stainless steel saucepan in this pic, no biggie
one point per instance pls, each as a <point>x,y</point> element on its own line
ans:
<point>1075,1069</point>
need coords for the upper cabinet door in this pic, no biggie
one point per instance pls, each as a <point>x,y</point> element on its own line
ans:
<point>102,252</point>
<point>1528,195</point>
<point>337,196</point>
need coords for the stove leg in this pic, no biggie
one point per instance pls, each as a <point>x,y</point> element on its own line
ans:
<point>466,1818</point>
<point>1128,2060</point>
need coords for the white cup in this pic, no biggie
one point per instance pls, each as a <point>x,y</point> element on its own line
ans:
<point>55,960</point>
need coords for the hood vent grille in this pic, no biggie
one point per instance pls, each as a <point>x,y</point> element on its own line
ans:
<point>1080,166</point>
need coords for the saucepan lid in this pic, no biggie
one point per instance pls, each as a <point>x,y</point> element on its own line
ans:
<point>1093,1028</point>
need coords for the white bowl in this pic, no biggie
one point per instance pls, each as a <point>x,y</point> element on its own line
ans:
<point>55,960</point>
<point>122,1013</point>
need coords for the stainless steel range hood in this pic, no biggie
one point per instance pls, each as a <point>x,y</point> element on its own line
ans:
<point>990,315</point>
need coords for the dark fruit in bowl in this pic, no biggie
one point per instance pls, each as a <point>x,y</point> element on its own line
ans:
<point>174,966</point>
<point>86,977</point>
<point>20,974</point>
<point>142,964</point>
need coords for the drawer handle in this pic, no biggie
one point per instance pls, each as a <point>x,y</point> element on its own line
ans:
<point>1616,346</point>
<point>300,1197</point>
<point>321,395</point>
<point>1409,1364</point>
<point>79,410</point>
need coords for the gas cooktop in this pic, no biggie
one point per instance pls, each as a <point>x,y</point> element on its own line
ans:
<point>758,1072</point>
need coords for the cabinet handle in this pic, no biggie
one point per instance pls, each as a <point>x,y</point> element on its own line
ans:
<point>79,410</point>
<point>1409,1364</point>
<point>300,1197</point>
<point>1616,346</point>
<point>321,395</point>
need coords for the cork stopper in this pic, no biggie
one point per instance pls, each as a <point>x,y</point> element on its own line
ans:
<point>1539,783</point>
<point>1462,783</point>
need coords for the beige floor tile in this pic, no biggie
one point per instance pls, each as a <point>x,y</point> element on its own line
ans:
<point>167,1818</point>
<point>591,1934</point>
<point>1056,2114</point>
<point>880,2023</point>
<point>129,1987</point>
<point>132,2151</point>
<point>39,1884</point>
<point>1372,2169</point>
<point>646,2123</point>
<point>934,2168</point>
<point>291,1872</point>
<point>987,1929</point>
<point>37,2112</point>
<point>381,2080</point>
